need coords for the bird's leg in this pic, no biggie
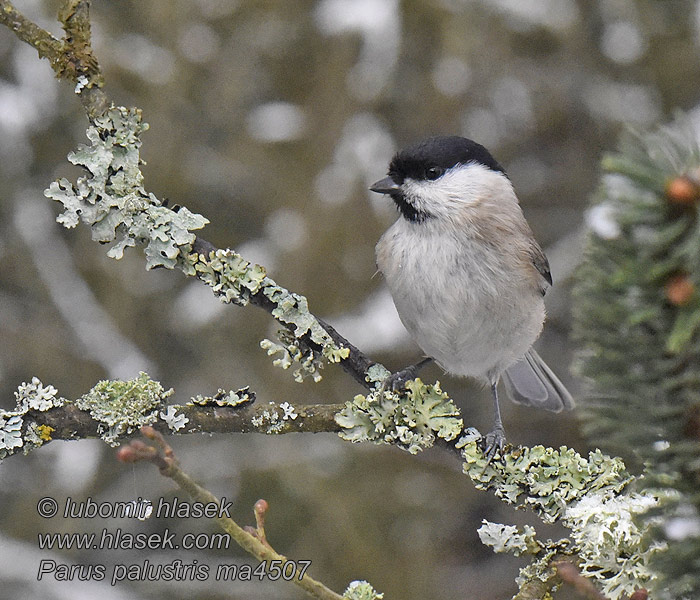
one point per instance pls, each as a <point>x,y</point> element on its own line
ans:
<point>496,440</point>
<point>397,381</point>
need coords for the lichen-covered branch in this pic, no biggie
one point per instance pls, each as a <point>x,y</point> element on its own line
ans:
<point>114,410</point>
<point>593,497</point>
<point>112,200</point>
<point>252,540</point>
<point>71,58</point>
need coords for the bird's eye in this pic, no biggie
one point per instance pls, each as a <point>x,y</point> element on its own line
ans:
<point>433,173</point>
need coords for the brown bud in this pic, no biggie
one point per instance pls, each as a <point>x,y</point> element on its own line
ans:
<point>683,190</point>
<point>640,594</point>
<point>260,507</point>
<point>127,454</point>
<point>679,289</point>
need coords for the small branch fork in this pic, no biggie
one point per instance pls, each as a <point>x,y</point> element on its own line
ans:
<point>252,540</point>
<point>72,57</point>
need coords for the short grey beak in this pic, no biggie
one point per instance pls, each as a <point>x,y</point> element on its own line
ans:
<point>385,186</point>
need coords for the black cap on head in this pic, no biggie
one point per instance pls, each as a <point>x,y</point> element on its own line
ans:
<point>421,160</point>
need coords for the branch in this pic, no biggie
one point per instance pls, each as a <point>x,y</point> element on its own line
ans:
<point>41,40</point>
<point>69,422</point>
<point>357,364</point>
<point>71,58</point>
<point>254,542</point>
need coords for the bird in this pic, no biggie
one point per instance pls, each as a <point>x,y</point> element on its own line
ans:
<point>466,274</point>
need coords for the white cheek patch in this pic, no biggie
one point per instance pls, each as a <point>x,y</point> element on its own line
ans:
<point>460,187</point>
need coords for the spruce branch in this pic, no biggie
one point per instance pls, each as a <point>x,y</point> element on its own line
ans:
<point>637,319</point>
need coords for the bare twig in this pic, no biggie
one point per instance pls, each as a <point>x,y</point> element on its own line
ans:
<point>164,458</point>
<point>570,574</point>
<point>41,40</point>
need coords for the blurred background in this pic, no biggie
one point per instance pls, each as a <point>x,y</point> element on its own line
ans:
<point>272,118</point>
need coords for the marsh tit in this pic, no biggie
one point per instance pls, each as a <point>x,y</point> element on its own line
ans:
<point>466,274</point>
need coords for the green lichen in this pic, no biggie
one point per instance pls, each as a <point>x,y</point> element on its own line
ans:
<point>111,199</point>
<point>290,353</point>
<point>544,479</point>
<point>121,407</point>
<point>361,590</point>
<point>238,398</point>
<point>230,276</point>
<point>508,538</point>
<point>234,279</point>
<point>411,421</point>
<point>377,373</point>
<point>292,311</point>
<point>33,396</point>
<point>591,496</point>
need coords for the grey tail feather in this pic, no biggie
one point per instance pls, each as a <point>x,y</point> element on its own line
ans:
<point>530,381</point>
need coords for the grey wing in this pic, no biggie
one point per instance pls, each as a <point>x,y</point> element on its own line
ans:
<point>539,260</point>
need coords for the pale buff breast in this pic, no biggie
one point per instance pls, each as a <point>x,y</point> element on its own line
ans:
<point>465,306</point>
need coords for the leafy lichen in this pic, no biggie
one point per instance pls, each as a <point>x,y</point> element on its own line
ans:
<point>273,419</point>
<point>292,311</point>
<point>10,433</point>
<point>544,479</point>
<point>121,407</point>
<point>508,538</point>
<point>411,421</point>
<point>36,396</point>
<point>230,276</point>
<point>361,590</point>
<point>590,496</point>
<point>236,398</point>
<point>611,542</point>
<point>111,199</point>
<point>33,396</point>
<point>174,420</point>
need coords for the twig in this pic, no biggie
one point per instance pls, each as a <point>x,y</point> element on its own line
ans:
<point>164,458</point>
<point>71,58</point>
<point>570,573</point>
<point>41,40</point>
